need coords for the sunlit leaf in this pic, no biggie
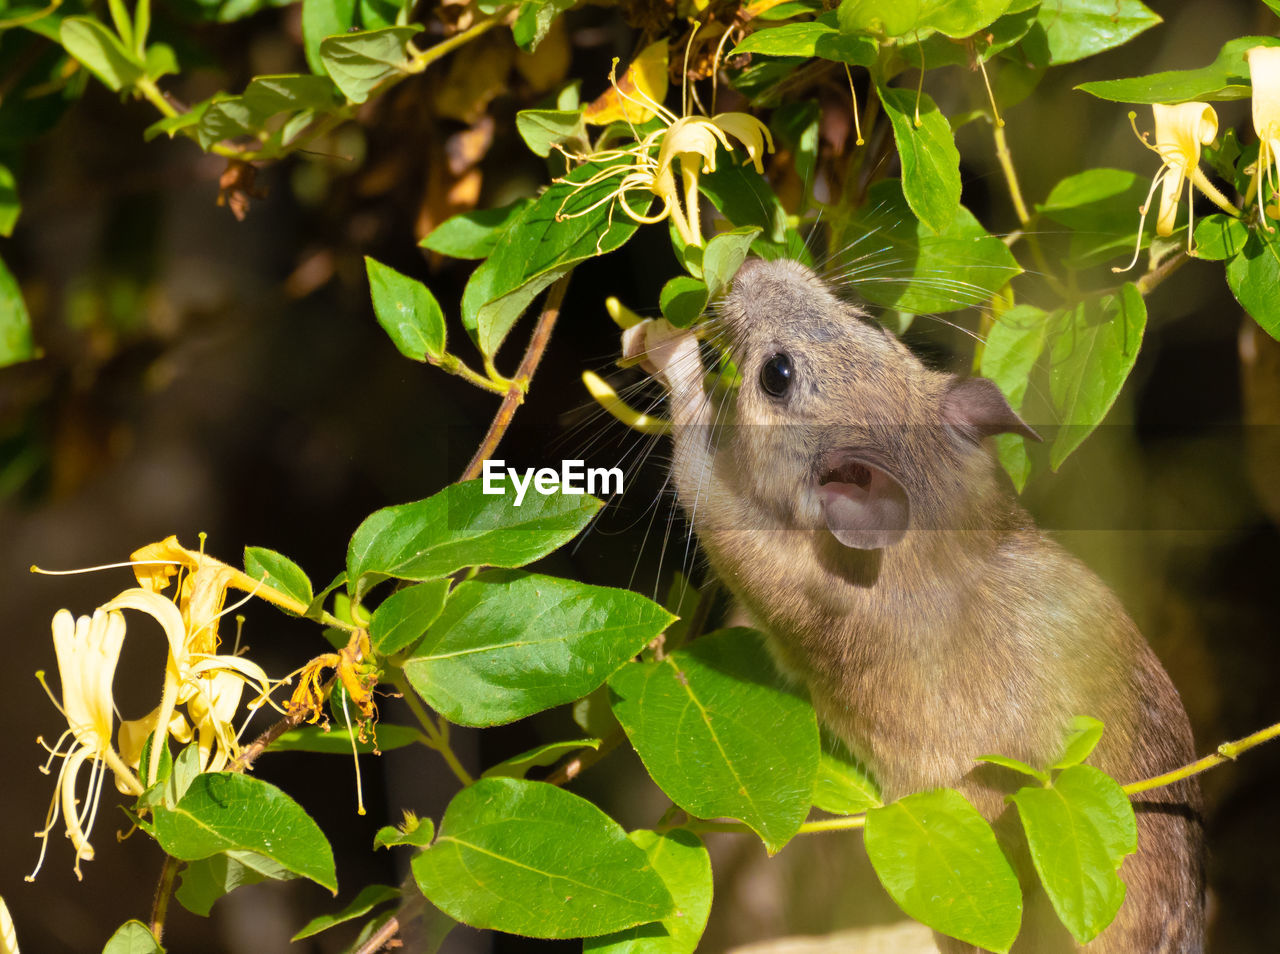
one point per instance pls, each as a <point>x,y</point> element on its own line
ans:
<point>1227,77</point>
<point>940,862</point>
<point>1079,832</point>
<point>1094,348</point>
<point>529,858</point>
<point>510,644</point>
<point>718,737</point>
<point>226,811</point>
<point>407,312</point>
<point>458,527</point>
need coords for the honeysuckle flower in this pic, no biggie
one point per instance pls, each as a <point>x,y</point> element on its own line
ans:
<point>1181,131</point>
<point>88,650</point>
<point>1264,72</point>
<point>688,142</point>
<point>209,684</point>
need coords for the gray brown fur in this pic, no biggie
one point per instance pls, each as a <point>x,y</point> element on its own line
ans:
<point>974,634</point>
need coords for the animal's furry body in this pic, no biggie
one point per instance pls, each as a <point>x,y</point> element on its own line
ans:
<point>966,631</point>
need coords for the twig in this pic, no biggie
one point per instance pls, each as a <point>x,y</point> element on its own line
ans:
<point>378,940</point>
<point>520,383</point>
<point>244,761</point>
<point>164,891</point>
<point>1227,752</point>
<point>576,765</point>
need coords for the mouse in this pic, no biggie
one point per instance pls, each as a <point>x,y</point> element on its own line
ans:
<point>848,497</point>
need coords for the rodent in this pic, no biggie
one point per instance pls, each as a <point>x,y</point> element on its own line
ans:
<point>847,499</point>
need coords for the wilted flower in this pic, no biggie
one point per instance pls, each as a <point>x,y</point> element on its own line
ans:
<point>88,650</point>
<point>1264,71</point>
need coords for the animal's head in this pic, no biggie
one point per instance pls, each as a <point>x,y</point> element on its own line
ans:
<point>839,425</point>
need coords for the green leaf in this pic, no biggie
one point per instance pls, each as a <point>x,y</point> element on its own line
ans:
<point>132,937</point>
<point>930,160</point>
<point>683,300</point>
<point>473,234</point>
<point>226,117</point>
<point>682,862</point>
<point>743,197</point>
<point>172,125</point>
<point>1079,832</point>
<point>898,262</point>
<point>842,785</point>
<point>370,897</point>
<point>407,311</point>
<point>555,232</point>
<point>534,20</point>
<point>224,811</point>
<point>518,765</point>
<point>414,832</point>
<point>278,572</point>
<point>160,61</point>
<point>360,62</point>
<point>820,38</point>
<point>380,13</point>
<point>529,858</point>
<point>461,526</point>
<point>543,128</point>
<point>797,125</point>
<point>206,880</point>
<point>955,18</point>
<point>1015,765</point>
<point>16,343</point>
<point>510,644</point>
<point>718,737</point>
<point>320,19</point>
<point>1227,77</point>
<point>1254,276</point>
<point>100,52</point>
<point>1012,348</point>
<point>723,256</point>
<point>1085,734</point>
<point>278,93</point>
<point>402,618</point>
<point>1101,207</point>
<point>10,207</point>
<point>1070,30</point>
<point>337,741</point>
<point>1219,237</point>
<point>1095,346</point>
<point>940,862</point>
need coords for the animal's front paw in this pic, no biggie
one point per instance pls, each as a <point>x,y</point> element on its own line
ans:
<point>665,351</point>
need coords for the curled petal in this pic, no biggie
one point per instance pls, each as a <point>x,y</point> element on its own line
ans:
<point>753,134</point>
<point>1180,132</point>
<point>1264,71</point>
<point>689,137</point>
<point>164,613</point>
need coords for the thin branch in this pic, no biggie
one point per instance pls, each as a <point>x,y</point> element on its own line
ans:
<point>164,891</point>
<point>579,763</point>
<point>520,383</point>
<point>1227,752</point>
<point>379,939</point>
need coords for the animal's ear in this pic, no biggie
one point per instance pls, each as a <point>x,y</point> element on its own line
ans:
<point>976,408</point>
<point>864,507</point>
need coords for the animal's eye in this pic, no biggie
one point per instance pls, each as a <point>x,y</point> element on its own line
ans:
<point>775,374</point>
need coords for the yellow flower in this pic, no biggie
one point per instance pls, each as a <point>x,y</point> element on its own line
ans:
<point>1264,71</point>
<point>1181,130</point>
<point>689,142</point>
<point>210,685</point>
<point>88,650</point>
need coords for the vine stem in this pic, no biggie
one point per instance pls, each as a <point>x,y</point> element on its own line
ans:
<point>1227,752</point>
<point>1020,208</point>
<point>524,374</point>
<point>437,732</point>
<point>380,938</point>
<point>164,891</point>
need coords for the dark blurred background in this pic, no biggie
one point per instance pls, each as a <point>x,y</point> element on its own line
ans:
<point>207,374</point>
